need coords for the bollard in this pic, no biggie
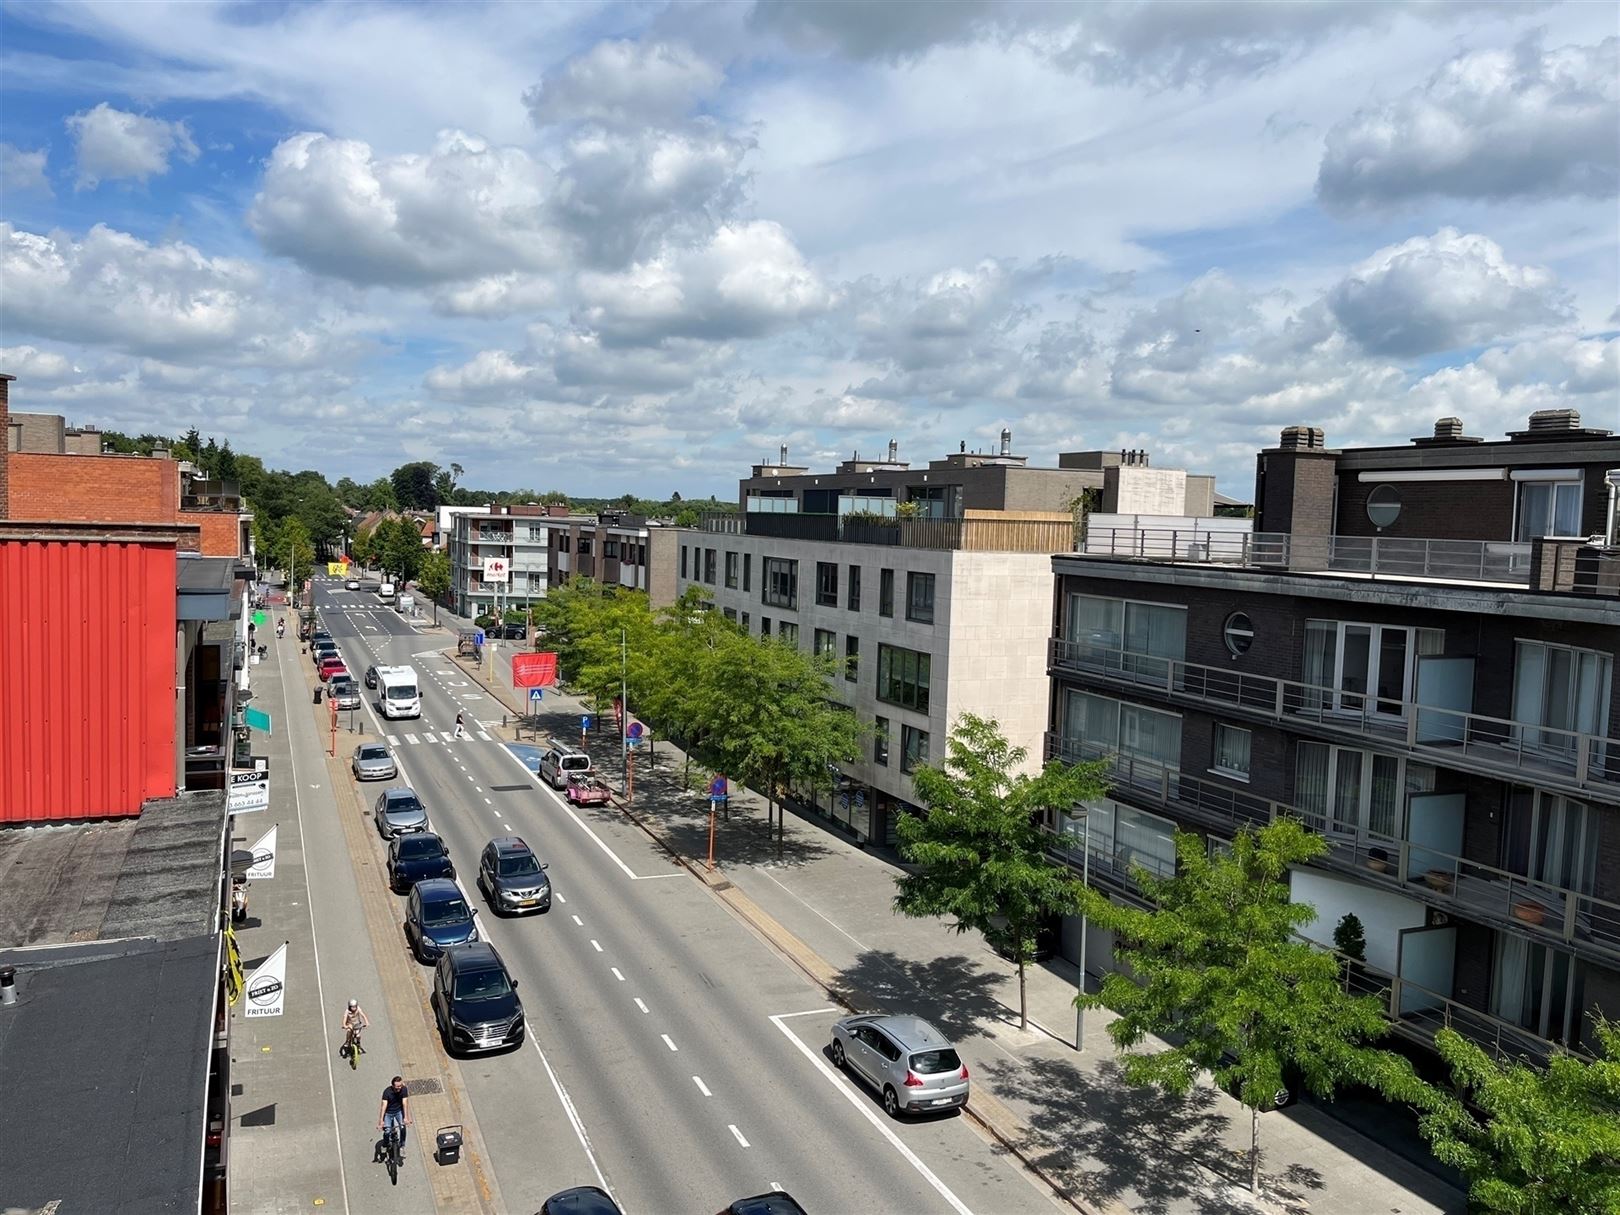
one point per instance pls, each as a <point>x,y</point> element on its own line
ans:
<point>8,984</point>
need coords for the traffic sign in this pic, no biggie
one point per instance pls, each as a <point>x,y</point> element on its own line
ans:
<point>478,637</point>
<point>585,722</point>
<point>536,695</point>
<point>635,731</point>
<point>717,788</point>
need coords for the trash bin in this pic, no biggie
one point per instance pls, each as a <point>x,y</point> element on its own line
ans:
<point>318,691</point>
<point>448,1139</point>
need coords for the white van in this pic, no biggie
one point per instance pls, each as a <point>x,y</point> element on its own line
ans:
<point>385,591</point>
<point>405,604</point>
<point>398,692</point>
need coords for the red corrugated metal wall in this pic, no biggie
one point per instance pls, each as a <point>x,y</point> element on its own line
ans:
<point>87,681</point>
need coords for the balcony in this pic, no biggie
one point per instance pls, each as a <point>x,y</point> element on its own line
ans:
<point>1489,561</point>
<point>1576,567</point>
<point>1584,764</point>
<point>974,533</point>
<point>1560,915</point>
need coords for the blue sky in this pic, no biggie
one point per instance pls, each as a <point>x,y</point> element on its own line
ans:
<point>634,248</point>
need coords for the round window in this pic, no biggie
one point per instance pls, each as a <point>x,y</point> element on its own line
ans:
<point>1383,505</point>
<point>1239,633</point>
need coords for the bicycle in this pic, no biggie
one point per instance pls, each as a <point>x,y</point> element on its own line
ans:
<point>351,1048</point>
<point>391,1151</point>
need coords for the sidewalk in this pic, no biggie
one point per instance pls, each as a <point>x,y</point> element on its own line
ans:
<point>1106,1146</point>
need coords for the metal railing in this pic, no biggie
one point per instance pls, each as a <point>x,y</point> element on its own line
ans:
<point>1588,763</point>
<point>976,534</point>
<point>1582,922</point>
<point>1459,560</point>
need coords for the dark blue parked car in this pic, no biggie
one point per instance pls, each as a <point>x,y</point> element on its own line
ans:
<point>421,854</point>
<point>436,917</point>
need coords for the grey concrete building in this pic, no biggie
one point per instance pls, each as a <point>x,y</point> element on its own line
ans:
<point>1414,655</point>
<point>617,549</point>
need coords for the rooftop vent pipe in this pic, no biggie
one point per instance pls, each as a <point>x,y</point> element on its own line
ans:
<point>1006,441</point>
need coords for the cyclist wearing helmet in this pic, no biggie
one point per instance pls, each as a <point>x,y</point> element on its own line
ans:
<point>354,1021</point>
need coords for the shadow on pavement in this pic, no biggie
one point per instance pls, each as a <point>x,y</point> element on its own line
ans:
<point>955,992</point>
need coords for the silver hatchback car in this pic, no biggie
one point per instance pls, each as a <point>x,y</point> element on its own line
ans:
<point>905,1059</point>
<point>373,761</point>
<point>398,811</point>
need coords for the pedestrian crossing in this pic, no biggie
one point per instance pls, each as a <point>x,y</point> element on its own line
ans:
<point>412,740</point>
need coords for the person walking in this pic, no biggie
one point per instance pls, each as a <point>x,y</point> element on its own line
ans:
<point>461,725</point>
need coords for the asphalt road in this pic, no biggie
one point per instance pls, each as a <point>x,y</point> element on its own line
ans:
<point>673,1056</point>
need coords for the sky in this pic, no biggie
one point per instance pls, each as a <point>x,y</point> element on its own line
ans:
<point>635,248</point>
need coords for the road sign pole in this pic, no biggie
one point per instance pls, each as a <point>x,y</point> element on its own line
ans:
<point>711,834</point>
<point>629,777</point>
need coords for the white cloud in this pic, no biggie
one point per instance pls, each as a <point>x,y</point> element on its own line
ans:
<point>115,145</point>
<point>498,295</point>
<point>619,81</point>
<point>1437,293</point>
<point>29,363</point>
<point>22,171</point>
<point>1491,124</point>
<point>464,210</point>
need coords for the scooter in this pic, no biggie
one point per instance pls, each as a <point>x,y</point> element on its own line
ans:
<point>239,889</point>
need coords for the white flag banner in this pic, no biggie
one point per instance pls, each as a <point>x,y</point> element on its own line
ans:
<point>264,858</point>
<point>267,986</point>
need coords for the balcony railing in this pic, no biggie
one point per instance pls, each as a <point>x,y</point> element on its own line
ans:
<point>1581,922</point>
<point>973,533</point>
<point>1585,763</point>
<point>1496,561</point>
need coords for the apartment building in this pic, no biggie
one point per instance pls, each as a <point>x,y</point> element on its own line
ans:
<point>1412,651</point>
<point>616,548</point>
<point>520,536</point>
<point>932,612</point>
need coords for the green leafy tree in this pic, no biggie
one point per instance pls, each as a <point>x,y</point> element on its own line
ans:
<point>433,579</point>
<point>380,495</point>
<point>399,544</point>
<point>980,851</point>
<point>363,548</point>
<point>1533,1142</point>
<point>1218,969</point>
<point>413,485</point>
<point>295,551</point>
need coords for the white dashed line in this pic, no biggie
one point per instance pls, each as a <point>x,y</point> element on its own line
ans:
<point>559,898</point>
<point>429,738</point>
<point>616,973</point>
<point>487,802</point>
<point>732,1127</point>
<point>579,921</point>
<point>702,1087</point>
<point>640,1005</point>
<point>669,1042</point>
<point>393,740</point>
<point>412,739</point>
<point>482,737</point>
<point>596,945</point>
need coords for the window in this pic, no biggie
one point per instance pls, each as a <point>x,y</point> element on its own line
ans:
<point>1125,835</point>
<point>683,555</point>
<point>903,676</point>
<point>880,741</point>
<point>1355,792</point>
<point>764,626</point>
<point>610,548</point>
<point>731,571</point>
<point>1383,506</point>
<point>1146,741</point>
<point>852,657</point>
<point>731,614</point>
<point>781,581</point>
<point>1549,508</point>
<point>854,600</point>
<point>885,592</point>
<point>1563,689</point>
<point>913,748</point>
<point>1127,636</point>
<point>563,545</point>
<point>827,583</point>
<point>920,598</point>
<point>1238,633</point>
<point>745,622</point>
<point>1364,668</point>
<point>826,643</point>
<point>788,632</point>
<point>708,565</point>
<point>1232,751</point>
<point>748,571</point>
<point>585,546</point>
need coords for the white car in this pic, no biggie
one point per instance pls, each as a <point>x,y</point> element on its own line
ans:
<point>354,585</point>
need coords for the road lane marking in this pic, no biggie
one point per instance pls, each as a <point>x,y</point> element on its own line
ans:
<point>596,945</point>
<point>702,1087</point>
<point>809,1012</point>
<point>482,736</point>
<point>669,1042</point>
<point>616,973</point>
<point>559,898</point>
<point>393,740</point>
<point>573,1116</point>
<point>579,921</point>
<point>487,802</point>
<point>429,738</point>
<point>732,1127</point>
<point>861,1104</point>
<point>412,739</point>
<point>639,1004</point>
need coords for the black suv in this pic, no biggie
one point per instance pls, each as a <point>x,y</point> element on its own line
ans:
<point>475,1002</point>
<point>512,877</point>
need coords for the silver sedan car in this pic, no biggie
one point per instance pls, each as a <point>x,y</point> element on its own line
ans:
<point>399,810</point>
<point>905,1059</point>
<point>373,761</point>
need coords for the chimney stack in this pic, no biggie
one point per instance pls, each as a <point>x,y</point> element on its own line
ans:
<point>5,445</point>
<point>1448,428</point>
<point>1553,420</point>
<point>1302,438</point>
<point>1006,441</point>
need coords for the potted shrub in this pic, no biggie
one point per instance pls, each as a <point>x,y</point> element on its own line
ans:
<point>1377,861</point>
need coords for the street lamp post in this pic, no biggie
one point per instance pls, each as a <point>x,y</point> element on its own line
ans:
<point>1080,977</point>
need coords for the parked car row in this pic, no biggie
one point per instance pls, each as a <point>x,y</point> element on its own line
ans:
<point>593,1200</point>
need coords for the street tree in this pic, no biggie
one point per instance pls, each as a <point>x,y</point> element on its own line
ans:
<point>1217,968</point>
<point>980,850</point>
<point>380,495</point>
<point>413,485</point>
<point>295,550</point>
<point>401,548</point>
<point>433,579</point>
<point>1541,1142</point>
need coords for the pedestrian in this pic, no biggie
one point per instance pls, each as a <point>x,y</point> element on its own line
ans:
<point>461,726</point>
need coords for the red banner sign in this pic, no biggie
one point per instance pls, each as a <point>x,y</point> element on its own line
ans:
<point>531,670</point>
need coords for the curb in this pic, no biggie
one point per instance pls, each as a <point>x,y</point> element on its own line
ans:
<point>986,1111</point>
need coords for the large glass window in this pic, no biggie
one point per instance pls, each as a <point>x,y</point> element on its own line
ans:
<point>788,633</point>
<point>920,598</point>
<point>1549,508</point>
<point>1563,689</point>
<point>1232,750</point>
<point>854,600</point>
<point>827,583</point>
<point>683,554</point>
<point>748,571</point>
<point>826,643</point>
<point>885,592</point>
<point>1125,836</point>
<point>708,565</point>
<point>913,748</point>
<point>1551,839</point>
<point>852,657</point>
<point>1538,987</point>
<point>1146,740</point>
<point>731,571</point>
<point>1125,635</point>
<point>781,579</point>
<point>1364,668</point>
<point>1356,793</point>
<point>903,677</point>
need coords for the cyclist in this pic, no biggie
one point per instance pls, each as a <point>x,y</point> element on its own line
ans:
<point>395,1108</point>
<point>354,1022</point>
